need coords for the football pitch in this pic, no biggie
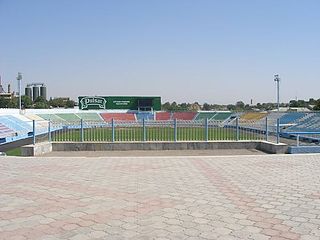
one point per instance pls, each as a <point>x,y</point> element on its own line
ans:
<point>124,134</point>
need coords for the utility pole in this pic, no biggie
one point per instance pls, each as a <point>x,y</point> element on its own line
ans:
<point>19,78</point>
<point>277,79</point>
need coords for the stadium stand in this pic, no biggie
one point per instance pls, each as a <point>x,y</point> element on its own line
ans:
<point>205,115</point>
<point>5,131</point>
<point>290,118</point>
<point>252,116</point>
<point>34,117</point>
<point>19,126</point>
<point>40,122</point>
<point>222,116</point>
<point>118,116</point>
<point>308,123</point>
<point>94,117</point>
<point>272,119</point>
<point>184,115</point>
<point>52,117</point>
<point>163,116</point>
<point>144,115</point>
<point>69,117</point>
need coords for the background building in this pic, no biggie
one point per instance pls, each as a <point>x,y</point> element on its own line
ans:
<point>35,90</point>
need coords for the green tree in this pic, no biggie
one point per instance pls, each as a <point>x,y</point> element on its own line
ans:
<point>240,105</point>
<point>26,101</point>
<point>40,102</point>
<point>4,102</point>
<point>206,107</point>
<point>57,102</point>
<point>317,105</point>
<point>70,104</point>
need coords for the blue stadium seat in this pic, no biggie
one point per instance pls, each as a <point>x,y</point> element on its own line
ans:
<point>291,117</point>
<point>144,115</point>
<point>16,124</point>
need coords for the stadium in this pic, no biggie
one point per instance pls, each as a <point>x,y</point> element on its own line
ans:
<point>117,119</point>
<point>159,120</point>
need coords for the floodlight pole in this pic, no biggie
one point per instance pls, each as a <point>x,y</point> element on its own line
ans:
<point>19,78</point>
<point>277,79</point>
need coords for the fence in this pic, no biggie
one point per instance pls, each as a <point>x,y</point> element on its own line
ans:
<point>302,138</point>
<point>234,129</point>
<point>159,131</point>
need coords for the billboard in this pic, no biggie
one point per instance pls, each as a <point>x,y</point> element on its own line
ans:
<point>120,102</point>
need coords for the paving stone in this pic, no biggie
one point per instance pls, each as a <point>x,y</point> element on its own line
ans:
<point>272,197</point>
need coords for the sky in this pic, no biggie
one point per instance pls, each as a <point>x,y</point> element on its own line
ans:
<point>214,51</point>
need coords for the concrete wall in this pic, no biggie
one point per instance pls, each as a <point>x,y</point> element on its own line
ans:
<point>273,148</point>
<point>94,146</point>
<point>304,149</point>
<point>41,148</point>
<point>36,150</point>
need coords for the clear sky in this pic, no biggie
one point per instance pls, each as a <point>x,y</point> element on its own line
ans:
<point>216,51</point>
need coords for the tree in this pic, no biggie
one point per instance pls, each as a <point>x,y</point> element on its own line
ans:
<point>166,106</point>
<point>312,101</point>
<point>40,102</point>
<point>317,105</point>
<point>240,105</point>
<point>26,101</point>
<point>206,107</point>
<point>57,102</point>
<point>231,107</point>
<point>4,102</point>
<point>69,104</point>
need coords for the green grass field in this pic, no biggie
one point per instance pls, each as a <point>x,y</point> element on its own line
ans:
<point>152,134</point>
<point>14,152</point>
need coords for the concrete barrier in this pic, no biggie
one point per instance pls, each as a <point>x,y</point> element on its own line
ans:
<point>303,149</point>
<point>37,149</point>
<point>129,146</point>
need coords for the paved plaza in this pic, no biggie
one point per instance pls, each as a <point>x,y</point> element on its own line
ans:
<point>196,197</point>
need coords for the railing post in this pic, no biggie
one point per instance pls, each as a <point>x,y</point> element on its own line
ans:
<point>267,130</point>
<point>33,132</point>
<point>175,129</point>
<point>298,138</point>
<point>49,131</point>
<point>206,130</point>
<point>112,127</point>
<point>81,130</point>
<point>144,130</point>
<point>278,130</point>
<point>237,128</point>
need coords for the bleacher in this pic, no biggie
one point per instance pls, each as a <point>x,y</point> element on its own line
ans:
<point>118,116</point>
<point>40,122</point>
<point>163,116</point>
<point>144,115</point>
<point>205,115</point>
<point>184,115</point>
<point>17,125</point>
<point>34,117</point>
<point>92,117</point>
<point>68,117</point>
<point>221,116</point>
<point>308,123</point>
<point>5,131</point>
<point>52,117</point>
<point>290,118</point>
<point>252,116</point>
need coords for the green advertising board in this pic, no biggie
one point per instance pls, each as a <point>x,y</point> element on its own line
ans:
<point>119,102</point>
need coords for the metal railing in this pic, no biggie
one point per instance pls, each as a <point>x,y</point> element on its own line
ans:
<point>234,129</point>
<point>158,131</point>
<point>303,138</point>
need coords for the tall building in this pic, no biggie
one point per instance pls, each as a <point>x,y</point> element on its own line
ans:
<point>34,90</point>
<point>1,88</point>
